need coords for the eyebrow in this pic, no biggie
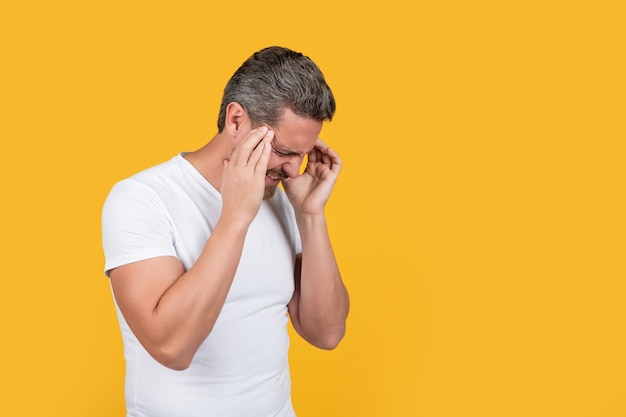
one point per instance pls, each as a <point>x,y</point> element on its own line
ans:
<point>282,149</point>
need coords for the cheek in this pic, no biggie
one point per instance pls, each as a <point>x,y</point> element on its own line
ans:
<point>274,161</point>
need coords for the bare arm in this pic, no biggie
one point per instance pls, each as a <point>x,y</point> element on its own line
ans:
<point>320,304</point>
<point>172,311</point>
<point>319,307</point>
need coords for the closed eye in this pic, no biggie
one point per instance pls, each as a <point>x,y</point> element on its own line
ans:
<point>281,153</point>
<point>277,152</point>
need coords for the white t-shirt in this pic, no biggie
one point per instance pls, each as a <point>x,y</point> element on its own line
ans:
<point>241,368</point>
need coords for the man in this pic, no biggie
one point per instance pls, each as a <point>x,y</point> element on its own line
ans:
<point>208,259</point>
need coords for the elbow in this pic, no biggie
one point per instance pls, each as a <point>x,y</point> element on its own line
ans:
<point>175,364</point>
<point>329,341</point>
<point>173,359</point>
<point>330,345</point>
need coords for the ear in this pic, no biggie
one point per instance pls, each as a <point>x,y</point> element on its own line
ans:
<point>236,119</point>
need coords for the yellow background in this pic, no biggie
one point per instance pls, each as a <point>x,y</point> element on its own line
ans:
<point>479,219</point>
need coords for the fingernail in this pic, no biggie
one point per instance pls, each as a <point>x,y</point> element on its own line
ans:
<point>263,129</point>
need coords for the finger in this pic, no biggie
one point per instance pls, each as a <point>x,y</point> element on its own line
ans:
<point>322,149</point>
<point>329,156</point>
<point>248,144</point>
<point>264,159</point>
<point>314,155</point>
<point>321,145</point>
<point>259,149</point>
<point>326,150</point>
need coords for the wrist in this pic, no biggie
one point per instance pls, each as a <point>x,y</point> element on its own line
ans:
<point>232,224</point>
<point>310,220</point>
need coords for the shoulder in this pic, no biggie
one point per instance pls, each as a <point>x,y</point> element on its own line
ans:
<point>137,200</point>
<point>130,195</point>
<point>142,186</point>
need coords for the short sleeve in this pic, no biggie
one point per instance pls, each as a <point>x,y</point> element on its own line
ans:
<point>135,225</point>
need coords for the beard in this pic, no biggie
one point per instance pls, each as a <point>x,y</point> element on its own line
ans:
<point>270,190</point>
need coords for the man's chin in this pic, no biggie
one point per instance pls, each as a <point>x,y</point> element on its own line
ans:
<point>270,190</point>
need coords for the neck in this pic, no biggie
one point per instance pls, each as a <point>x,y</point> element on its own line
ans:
<point>209,160</point>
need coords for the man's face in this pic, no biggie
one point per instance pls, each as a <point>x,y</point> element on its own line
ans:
<point>294,138</point>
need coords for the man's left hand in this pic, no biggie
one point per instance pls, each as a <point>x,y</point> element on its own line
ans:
<point>309,192</point>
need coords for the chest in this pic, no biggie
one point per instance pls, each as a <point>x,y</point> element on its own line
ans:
<point>265,270</point>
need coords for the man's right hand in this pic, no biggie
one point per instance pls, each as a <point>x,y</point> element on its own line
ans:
<point>243,182</point>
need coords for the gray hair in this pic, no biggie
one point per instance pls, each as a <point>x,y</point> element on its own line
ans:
<point>276,78</point>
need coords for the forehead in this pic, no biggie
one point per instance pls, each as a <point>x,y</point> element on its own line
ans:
<point>296,133</point>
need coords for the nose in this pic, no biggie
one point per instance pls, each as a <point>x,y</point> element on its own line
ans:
<point>292,165</point>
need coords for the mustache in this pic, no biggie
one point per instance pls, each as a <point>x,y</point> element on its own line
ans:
<point>277,173</point>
